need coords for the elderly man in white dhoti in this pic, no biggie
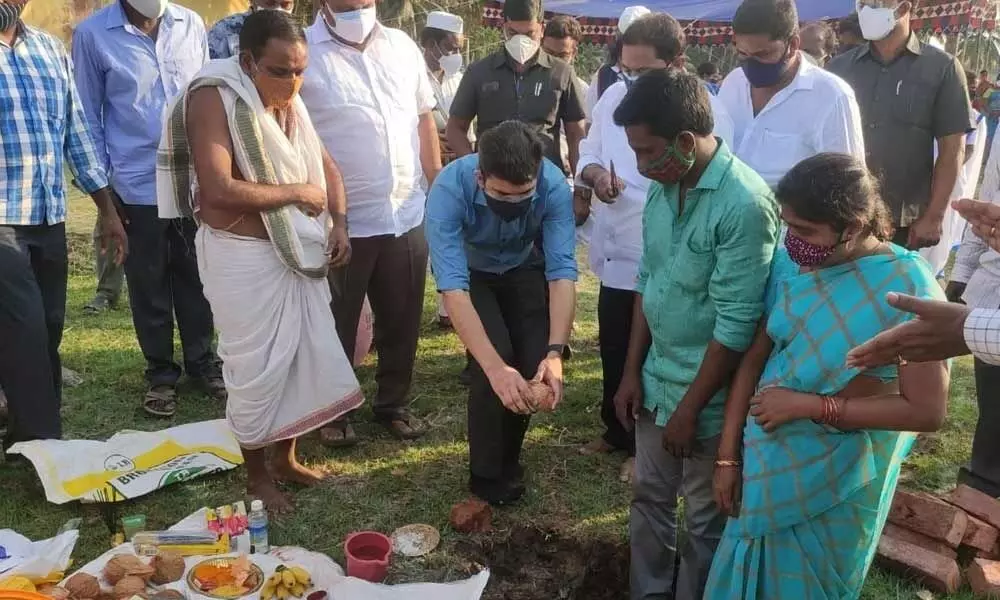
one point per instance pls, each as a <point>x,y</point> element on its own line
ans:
<point>271,208</point>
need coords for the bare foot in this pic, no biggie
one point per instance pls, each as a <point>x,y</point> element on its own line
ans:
<point>291,471</point>
<point>265,490</point>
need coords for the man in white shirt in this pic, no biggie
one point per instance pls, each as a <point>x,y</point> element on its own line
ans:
<point>610,73</point>
<point>442,39</point>
<point>784,108</point>
<point>652,42</point>
<point>371,102</point>
<point>975,281</point>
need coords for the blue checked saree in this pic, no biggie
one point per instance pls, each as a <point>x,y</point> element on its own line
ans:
<point>815,498</point>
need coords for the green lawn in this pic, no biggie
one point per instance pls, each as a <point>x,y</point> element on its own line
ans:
<point>566,540</point>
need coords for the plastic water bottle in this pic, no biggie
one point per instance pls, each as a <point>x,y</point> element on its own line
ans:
<point>258,528</point>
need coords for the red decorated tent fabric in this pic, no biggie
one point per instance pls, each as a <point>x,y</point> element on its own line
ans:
<point>707,22</point>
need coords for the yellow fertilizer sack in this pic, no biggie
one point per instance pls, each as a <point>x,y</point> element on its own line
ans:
<point>130,464</point>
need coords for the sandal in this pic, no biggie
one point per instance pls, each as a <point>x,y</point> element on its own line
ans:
<point>339,434</point>
<point>215,386</point>
<point>160,401</point>
<point>404,426</point>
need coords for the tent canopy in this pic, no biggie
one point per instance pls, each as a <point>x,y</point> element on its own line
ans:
<point>693,10</point>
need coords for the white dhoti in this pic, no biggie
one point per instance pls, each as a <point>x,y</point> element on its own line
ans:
<point>284,367</point>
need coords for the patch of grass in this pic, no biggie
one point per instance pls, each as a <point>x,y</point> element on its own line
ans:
<point>383,484</point>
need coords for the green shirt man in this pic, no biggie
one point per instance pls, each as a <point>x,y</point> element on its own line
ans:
<point>710,226</point>
<point>704,268</point>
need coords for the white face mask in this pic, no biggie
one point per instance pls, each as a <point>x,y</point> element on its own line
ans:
<point>451,63</point>
<point>521,48</point>
<point>876,23</point>
<point>277,8</point>
<point>353,26</point>
<point>151,9</point>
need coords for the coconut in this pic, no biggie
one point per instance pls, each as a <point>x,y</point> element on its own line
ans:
<point>168,567</point>
<point>83,585</point>
<point>167,595</point>
<point>124,565</point>
<point>542,397</point>
<point>129,586</point>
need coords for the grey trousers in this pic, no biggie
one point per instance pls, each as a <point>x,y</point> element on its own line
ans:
<point>659,480</point>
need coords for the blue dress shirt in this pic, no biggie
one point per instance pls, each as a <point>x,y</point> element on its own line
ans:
<point>224,36</point>
<point>42,129</point>
<point>126,81</point>
<point>464,233</point>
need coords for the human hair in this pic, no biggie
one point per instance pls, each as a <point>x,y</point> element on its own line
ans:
<point>851,25</point>
<point>659,30</point>
<point>826,34</point>
<point>614,51</point>
<point>563,26</point>
<point>511,151</point>
<point>262,26</point>
<point>984,72</point>
<point>777,19</point>
<point>433,35</point>
<point>707,69</point>
<point>522,10</point>
<point>837,190</point>
<point>668,101</point>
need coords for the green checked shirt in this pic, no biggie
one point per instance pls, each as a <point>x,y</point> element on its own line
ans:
<point>702,276</point>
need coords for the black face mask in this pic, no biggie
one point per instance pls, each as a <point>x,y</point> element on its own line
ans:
<point>508,211</point>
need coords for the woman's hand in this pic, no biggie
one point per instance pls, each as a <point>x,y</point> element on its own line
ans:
<point>727,489</point>
<point>774,407</point>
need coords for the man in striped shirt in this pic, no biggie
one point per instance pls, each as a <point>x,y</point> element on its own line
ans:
<point>42,128</point>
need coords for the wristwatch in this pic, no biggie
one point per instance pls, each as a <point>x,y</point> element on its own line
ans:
<point>559,349</point>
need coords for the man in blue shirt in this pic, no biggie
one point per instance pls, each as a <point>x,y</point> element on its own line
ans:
<point>484,213</point>
<point>224,36</point>
<point>42,131</point>
<point>131,57</point>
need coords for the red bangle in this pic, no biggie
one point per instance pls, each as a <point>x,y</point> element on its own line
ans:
<point>832,408</point>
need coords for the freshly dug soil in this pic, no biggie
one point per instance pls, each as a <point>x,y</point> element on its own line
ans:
<point>532,564</point>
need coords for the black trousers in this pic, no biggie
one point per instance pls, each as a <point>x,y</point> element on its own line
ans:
<point>614,318</point>
<point>984,469</point>
<point>33,269</point>
<point>391,271</point>
<point>514,310</point>
<point>162,275</point>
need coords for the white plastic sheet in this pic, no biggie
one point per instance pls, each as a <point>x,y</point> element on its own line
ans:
<point>326,574</point>
<point>36,560</point>
<point>130,464</point>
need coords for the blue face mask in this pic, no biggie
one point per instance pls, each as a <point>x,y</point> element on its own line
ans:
<point>762,74</point>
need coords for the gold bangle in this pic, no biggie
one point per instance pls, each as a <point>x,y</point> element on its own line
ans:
<point>728,463</point>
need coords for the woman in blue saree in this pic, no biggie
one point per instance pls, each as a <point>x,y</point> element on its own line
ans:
<point>811,450</point>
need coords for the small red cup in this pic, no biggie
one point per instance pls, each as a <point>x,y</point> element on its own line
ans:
<point>368,555</point>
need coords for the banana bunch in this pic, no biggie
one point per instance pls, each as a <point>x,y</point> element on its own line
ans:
<point>286,582</point>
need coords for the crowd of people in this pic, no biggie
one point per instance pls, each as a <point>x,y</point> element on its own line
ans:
<point>770,335</point>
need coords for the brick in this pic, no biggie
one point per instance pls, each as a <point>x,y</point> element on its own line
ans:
<point>926,514</point>
<point>982,536</point>
<point>984,578</point>
<point>933,571</point>
<point>918,539</point>
<point>977,504</point>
